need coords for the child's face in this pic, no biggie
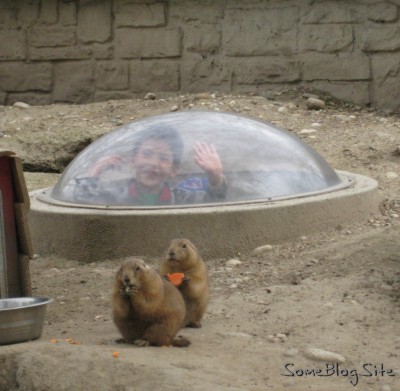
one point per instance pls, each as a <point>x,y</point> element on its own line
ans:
<point>154,164</point>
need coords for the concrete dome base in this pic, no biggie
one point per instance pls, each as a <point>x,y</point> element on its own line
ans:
<point>93,234</point>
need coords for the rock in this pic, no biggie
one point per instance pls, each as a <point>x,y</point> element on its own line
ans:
<point>21,105</point>
<point>316,125</point>
<point>238,334</point>
<point>323,355</point>
<point>307,131</point>
<point>2,134</point>
<point>233,262</point>
<point>391,175</point>
<point>261,250</point>
<point>174,108</point>
<point>315,104</point>
<point>282,109</point>
<point>291,352</point>
<point>342,117</point>
<point>396,151</point>
<point>150,96</point>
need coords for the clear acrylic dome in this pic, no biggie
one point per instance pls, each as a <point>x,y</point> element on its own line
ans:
<point>194,157</point>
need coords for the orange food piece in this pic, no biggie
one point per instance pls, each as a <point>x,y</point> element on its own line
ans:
<point>54,340</point>
<point>176,278</point>
<point>116,354</point>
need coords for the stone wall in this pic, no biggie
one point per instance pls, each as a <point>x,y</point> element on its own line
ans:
<point>81,51</point>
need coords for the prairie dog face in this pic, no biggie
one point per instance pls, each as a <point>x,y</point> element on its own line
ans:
<point>181,252</point>
<point>131,273</point>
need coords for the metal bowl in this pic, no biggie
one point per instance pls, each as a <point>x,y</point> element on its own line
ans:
<point>21,319</point>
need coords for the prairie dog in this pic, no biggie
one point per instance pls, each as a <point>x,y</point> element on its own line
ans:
<point>183,257</point>
<point>147,310</point>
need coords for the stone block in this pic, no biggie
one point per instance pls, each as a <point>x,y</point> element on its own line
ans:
<point>12,45</point>
<point>200,74</point>
<point>347,66</point>
<point>8,16</point>
<point>24,77</point>
<point>111,75</point>
<point>326,38</point>
<point>94,21</point>
<point>67,11</point>
<point>32,98</point>
<point>102,51</point>
<point>48,12</point>
<point>154,76</point>
<point>260,32</point>
<point>28,12</point>
<point>341,11</point>
<point>356,92</point>
<point>378,37</point>
<point>204,11</point>
<point>148,43</point>
<point>73,82</point>
<point>51,36</point>
<point>202,39</point>
<point>266,70</point>
<point>383,12</point>
<point>140,15</point>
<point>386,83</point>
<point>63,53</point>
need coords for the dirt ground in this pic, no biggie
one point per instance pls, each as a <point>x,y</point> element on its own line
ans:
<point>337,290</point>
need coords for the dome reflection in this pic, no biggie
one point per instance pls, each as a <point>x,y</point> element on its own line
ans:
<point>193,157</point>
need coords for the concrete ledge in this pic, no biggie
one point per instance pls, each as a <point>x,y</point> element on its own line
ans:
<point>89,234</point>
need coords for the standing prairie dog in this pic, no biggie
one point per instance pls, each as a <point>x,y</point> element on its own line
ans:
<point>147,310</point>
<point>183,257</point>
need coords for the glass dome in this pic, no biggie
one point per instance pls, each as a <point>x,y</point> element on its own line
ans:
<point>194,157</point>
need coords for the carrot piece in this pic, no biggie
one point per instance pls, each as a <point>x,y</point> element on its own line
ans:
<point>116,354</point>
<point>176,278</point>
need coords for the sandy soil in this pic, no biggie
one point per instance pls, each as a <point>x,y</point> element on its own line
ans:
<point>337,290</point>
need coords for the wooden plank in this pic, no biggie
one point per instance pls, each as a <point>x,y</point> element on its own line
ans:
<point>20,190</point>
<point>10,233</point>
<point>23,233</point>
<point>25,275</point>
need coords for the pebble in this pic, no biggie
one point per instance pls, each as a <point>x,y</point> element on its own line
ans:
<point>291,352</point>
<point>342,117</point>
<point>282,109</point>
<point>2,134</point>
<point>261,250</point>
<point>315,104</point>
<point>150,96</point>
<point>174,108</point>
<point>307,131</point>
<point>323,355</point>
<point>391,175</point>
<point>316,125</point>
<point>233,286</point>
<point>238,334</point>
<point>21,105</point>
<point>233,262</point>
